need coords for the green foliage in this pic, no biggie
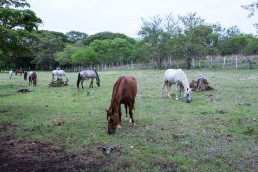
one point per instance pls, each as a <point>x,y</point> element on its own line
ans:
<point>85,56</point>
<point>75,36</point>
<point>252,47</point>
<point>16,29</point>
<point>105,36</point>
<point>64,57</point>
<point>51,43</point>
<point>187,37</point>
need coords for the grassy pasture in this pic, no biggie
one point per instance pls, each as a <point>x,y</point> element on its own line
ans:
<point>217,131</point>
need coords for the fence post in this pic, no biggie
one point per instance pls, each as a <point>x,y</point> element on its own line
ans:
<point>210,63</point>
<point>224,62</point>
<point>193,62</point>
<point>236,63</point>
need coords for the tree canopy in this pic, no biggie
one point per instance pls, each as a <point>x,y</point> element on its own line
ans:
<point>162,40</point>
<point>16,30</point>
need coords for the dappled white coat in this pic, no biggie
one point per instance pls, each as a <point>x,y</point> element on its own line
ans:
<point>58,74</point>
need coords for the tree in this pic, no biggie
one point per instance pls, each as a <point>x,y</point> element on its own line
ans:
<point>122,50</point>
<point>252,47</point>
<point>16,29</point>
<point>251,8</point>
<point>152,33</point>
<point>105,36</point>
<point>64,57</point>
<point>85,56</point>
<point>103,51</point>
<point>189,22</point>
<point>51,43</point>
<point>74,36</point>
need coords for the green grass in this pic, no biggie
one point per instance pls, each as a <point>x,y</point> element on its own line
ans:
<point>217,131</point>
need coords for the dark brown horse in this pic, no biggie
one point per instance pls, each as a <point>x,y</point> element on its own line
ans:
<point>32,78</point>
<point>124,92</point>
<point>19,71</point>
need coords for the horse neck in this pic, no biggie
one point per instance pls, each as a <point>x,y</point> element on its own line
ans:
<point>116,95</point>
<point>184,81</point>
<point>97,76</point>
<point>65,75</point>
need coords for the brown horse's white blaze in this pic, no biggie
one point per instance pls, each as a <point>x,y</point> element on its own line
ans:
<point>124,92</point>
<point>32,78</point>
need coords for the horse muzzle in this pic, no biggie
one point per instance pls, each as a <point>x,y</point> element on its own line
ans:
<point>111,131</point>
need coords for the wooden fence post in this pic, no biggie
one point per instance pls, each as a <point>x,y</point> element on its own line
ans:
<point>236,63</point>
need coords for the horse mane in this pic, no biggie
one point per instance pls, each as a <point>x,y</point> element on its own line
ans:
<point>115,90</point>
<point>97,75</point>
<point>184,79</point>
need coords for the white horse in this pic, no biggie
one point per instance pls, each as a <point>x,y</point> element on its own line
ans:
<point>59,74</point>
<point>10,74</point>
<point>178,77</point>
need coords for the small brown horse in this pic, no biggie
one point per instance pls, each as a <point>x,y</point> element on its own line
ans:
<point>124,92</point>
<point>19,71</point>
<point>32,78</point>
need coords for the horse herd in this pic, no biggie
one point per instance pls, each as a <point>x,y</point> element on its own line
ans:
<point>124,91</point>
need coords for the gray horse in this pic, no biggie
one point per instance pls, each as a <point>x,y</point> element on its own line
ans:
<point>88,74</point>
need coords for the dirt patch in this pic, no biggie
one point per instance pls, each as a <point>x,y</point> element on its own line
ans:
<point>24,155</point>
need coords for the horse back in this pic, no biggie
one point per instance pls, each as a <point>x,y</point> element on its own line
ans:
<point>173,75</point>
<point>88,74</point>
<point>32,74</point>
<point>125,89</point>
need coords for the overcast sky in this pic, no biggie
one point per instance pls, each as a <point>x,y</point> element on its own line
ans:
<point>125,16</point>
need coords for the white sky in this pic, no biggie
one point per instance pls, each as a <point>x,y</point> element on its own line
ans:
<point>125,16</point>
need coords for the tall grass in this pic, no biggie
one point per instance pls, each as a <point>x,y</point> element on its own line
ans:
<point>217,131</point>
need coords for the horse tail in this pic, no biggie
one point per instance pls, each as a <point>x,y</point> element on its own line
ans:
<point>78,80</point>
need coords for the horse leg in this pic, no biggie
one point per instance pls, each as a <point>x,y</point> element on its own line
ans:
<point>164,83</point>
<point>126,113</point>
<point>169,86</point>
<point>131,106</point>
<point>120,114</point>
<point>91,83</point>
<point>82,84</point>
<point>177,85</point>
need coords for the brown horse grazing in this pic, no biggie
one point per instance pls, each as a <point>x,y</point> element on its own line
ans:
<point>32,78</point>
<point>19,71</point>
<point>124,92</point>
<point>25,75</point>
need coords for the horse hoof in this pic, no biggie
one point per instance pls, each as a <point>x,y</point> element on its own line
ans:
<point>119,126</point>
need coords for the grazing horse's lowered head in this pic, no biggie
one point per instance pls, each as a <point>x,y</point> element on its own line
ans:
<point>32,78</point>
<point>87,74</point>
<point>124,92</point>
<point>178,77</point>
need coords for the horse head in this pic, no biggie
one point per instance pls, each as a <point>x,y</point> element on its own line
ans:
<point>187,94</point>
<point>112,118</point>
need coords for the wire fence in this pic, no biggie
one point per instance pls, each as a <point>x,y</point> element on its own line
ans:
<point>209,62</point>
